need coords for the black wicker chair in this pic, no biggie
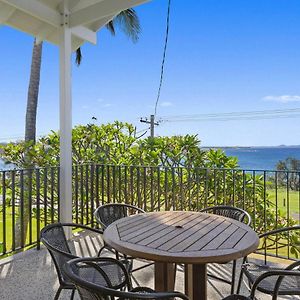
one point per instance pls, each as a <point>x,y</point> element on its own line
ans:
<point>109,213</point>
<point>93,280</point>
<point>271,279</point>
<point>233,213</point>
<point>54,238</point>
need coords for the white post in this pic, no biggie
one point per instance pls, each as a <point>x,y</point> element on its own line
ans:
<point>65,119</point>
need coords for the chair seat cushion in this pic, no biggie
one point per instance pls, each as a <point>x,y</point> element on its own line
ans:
<point>290,285</point>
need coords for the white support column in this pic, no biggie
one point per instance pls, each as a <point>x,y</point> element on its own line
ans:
<point>65,121</point>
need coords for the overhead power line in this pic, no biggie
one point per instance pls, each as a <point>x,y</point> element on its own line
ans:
<point>164,57</point>
<point>231,116</point>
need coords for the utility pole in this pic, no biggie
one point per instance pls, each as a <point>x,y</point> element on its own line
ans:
<point>152,124</point>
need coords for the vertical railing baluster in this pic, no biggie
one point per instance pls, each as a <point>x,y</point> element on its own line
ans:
<point>224,187</point>
<point>276,207</point>
<point>166,189</point>
<point>173,189</point>
<point>120,183</point>
<point>189,189</point>
<point>254,199</point>
<point>158,189</point>
<point>131,185</point>
<point>181,188</point>
<point>125,185</point>
<point>233,187</point>
<point>38,200</point>
<point>81,196</point>
<point>52,194</point>
<point>145,187</point>
<point>58,192</point>
<point>45,196</point>
<point>13,200</point>
<point>102,184</point>
<point>4,212</point>
<point>108,184</point>
<point>22,207</point>
<point>87,194</point>
<point>244,188</point>
<point>92,193</point>
<point>151,190</point>
<point>29,188</point>
<point>138,184</point>
<point>265,214</point>
<point>206,188</point>
<point>215,188</point>
<point>97,186</point>
<point>114,183</point>
<point>288,209</point>
<point>299,198</point>
<point>76,194</point>
<point>197,188</point>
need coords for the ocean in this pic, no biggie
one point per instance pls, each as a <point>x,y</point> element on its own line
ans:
<point>262,158</point>
<point>257,158</point>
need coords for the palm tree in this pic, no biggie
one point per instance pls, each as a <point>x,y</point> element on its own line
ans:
<point>129,23</point>
<point>126,20</point>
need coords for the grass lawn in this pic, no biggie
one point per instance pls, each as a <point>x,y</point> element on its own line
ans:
<point>9,230</point>
<point>285,202</point>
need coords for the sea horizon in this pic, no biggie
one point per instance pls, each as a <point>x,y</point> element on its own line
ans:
<point>249,158</point>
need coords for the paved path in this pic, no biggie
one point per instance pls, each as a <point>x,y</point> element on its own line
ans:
<point>31,276</point>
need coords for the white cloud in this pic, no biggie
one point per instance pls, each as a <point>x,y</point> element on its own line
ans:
<point>85,106</point>
<point>166,104</point>
<point>107,105</point>
<point>100,100</point>
<point>283,98</point>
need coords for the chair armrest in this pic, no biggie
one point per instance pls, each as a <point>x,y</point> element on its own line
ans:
<point>280,230</point>
<point>280,273</point>
<point>293,265</point>
<point>100,231</point>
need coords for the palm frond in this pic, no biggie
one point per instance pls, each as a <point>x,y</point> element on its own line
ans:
<point>78,58</point>
<point>128,21</point>
<point>111,27</point>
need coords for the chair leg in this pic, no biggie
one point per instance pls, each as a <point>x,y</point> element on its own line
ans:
<point>241,277</point>
<point>99,252</point>
<point>240,282</point>
<point>73,293</point>
<point>233,276</point>
<point>57,293</point>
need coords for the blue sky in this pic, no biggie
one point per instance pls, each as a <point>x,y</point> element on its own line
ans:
<point>223,56</point>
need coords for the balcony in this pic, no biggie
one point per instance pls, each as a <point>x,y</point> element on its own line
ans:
<point>271,197</point>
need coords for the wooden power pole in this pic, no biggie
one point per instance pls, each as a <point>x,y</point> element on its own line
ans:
<point>152,124</point>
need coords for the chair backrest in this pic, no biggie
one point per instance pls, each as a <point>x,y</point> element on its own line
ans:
<point>54,238</point>
<point>92,276</point>
<point>230,212</point>
<point>103,278</point>
<point>109,213</point>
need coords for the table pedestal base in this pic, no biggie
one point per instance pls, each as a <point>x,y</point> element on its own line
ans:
<point>195,278</point>
<point>165,274</point>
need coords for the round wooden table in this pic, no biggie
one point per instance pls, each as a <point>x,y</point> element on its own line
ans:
<point>192,238</point>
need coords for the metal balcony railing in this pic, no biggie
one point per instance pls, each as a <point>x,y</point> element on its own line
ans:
<point>29,199</point>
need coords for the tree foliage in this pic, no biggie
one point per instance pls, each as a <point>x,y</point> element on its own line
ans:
<point>289,173</point>
<point>165,173</point>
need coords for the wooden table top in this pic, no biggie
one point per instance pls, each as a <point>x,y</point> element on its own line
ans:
<point>182,237</point>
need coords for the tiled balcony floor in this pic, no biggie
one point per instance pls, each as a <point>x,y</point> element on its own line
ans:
<point>31,275</point>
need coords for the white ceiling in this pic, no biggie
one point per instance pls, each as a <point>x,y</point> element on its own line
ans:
<point>42,18</point>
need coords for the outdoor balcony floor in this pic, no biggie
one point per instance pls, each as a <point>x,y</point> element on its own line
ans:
<point>31,275</point>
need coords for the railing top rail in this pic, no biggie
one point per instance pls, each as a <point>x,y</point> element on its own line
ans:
<point>155,167</point>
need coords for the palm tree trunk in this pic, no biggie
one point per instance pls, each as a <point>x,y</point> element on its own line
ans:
<point>30,136</point>
<point>33,93</point>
